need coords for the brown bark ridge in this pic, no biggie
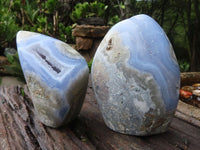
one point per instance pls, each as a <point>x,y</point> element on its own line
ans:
<point>20,129</point>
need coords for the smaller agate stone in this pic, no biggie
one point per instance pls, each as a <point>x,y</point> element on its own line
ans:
<point>136,77</point>
<point>56,75</point>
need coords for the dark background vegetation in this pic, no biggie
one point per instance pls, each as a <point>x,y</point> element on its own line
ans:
<point>179,18</point>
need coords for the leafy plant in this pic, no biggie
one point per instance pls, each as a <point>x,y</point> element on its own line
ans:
<point>80,11</point>
<point>22,92</point>
<point>42,24</point>
<point>84,10</point>
<point>98,8</point>
<point>65,33</point>
<point>8,26</point>
<point>31,11</point>
<point>184,66</point>
<point>115,19</point>
<point>43,17</point>
<point>14,68</point>
<point>10,58</point>
<point>51,5</point>
<point>90,64</point>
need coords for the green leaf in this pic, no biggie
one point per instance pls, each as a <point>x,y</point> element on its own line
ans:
<point>51,5</point>
<point>10,58</point>
<point>84,140</point>
<point>184,65</point>
<point>39,30</point>
<point>14,68</point>
<point>16,5</point>
<point>90,64</point>
<point>68,30</point>
<point>90,15</point>
<point>114,20</point>
<point>34,14</point>
<point>122,6</point>
<point>84,10</point>
<point>22,92</point>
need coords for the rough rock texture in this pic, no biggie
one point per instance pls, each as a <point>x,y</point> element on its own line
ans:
<point>97,21</point>
<point>88,38</point>
<point>83,43</point>
<point>89,54</point>
<point>56,75</point>
<point>10,51</point>
<point>136,77</point>
<point>3,62</point>
<point>90,31</point>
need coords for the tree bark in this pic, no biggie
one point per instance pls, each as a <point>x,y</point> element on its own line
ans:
<point>193,31</point>
<point>127,4</point>
<point>163,12</point>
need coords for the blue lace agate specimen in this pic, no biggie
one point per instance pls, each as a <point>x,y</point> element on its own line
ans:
<point>136,77</point>
<point>56,75</point>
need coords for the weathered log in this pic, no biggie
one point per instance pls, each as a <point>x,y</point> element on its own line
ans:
<point>189,78</point>
<point>188,113</point>
<point>20,129</point>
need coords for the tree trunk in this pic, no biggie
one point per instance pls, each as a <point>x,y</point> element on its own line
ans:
<point>193,33</point>
<point>127,4</point>
<point>163,12</point>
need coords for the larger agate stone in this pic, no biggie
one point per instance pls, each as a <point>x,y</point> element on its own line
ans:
<point>135,77</point>
<point>56,76</point>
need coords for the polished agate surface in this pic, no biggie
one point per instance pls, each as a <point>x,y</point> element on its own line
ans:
<point>136,77</point>
<point>56,75</point>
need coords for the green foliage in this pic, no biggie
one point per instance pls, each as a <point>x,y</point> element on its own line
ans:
<point>184,65</point>
<point>51,5</point>
<point>8,27</point>
<point>14,68</point>
<point>30,11</point>
<point>0,80</point>
<point>114,20</point>
<point>84,10</point>
<point>179,19</point>
<point>43,17</point>
<point>16,5</point>
<point>98,9</point>
<point>65,33</point>
<point>42,24</point>
<point>90,64</point>
<point>22,92</point>
<point>80,11</point>
<point>120,5</point>
<point>10,58</point>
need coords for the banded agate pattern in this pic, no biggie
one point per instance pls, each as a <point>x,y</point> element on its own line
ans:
<point>136,77</point>
<point>56,75</point>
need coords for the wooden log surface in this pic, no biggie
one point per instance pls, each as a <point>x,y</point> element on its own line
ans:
<point>20,129</point>
<point>189,78</point>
